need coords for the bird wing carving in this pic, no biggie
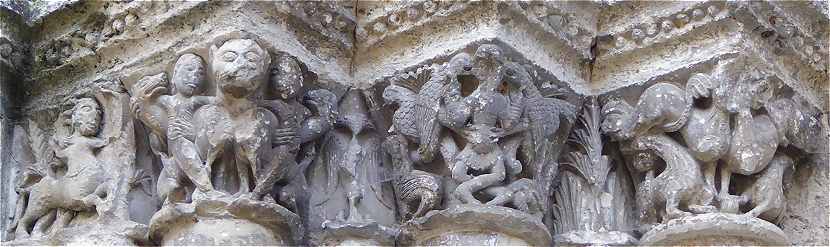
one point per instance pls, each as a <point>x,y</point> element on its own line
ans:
<point>426,110</point>
<point>404,119</point>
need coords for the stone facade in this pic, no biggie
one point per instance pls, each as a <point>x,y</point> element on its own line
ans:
<point>413,123</point>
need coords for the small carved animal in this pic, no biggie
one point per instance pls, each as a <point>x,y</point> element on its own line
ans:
<point>681,183</point>
<point>766,195</point>
<point>412,187</point>
<point>662,107</point>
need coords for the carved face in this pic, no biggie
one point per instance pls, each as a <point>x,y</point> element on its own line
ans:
<point>488,61</point>
<point>516,75</point>
<point>644,160</point>
<point>460,64</point>
<point>286,78</point>
<point>86,116</point>
<point>616,113</point>
<point>189,75</point>
<point>240,66</point>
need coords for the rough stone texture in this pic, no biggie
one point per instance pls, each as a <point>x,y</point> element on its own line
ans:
<point>414,123</point>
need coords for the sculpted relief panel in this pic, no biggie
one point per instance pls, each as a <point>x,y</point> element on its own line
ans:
<point>729,122</point>
<point>238,139</point>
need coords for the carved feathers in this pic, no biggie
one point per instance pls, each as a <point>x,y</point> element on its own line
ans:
<point>404,119</point>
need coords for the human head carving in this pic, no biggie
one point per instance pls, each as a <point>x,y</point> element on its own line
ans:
<point>188,75</point>
<point>489,53</point>
<point>86,116</point>
<point>459,64</point>
<point>240,66</point>
<point>286,77</point>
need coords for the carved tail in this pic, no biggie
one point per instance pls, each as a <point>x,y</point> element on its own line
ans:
<point>429,129</point>
<point>428,201</point>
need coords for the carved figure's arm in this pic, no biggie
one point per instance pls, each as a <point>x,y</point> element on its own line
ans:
<point>459,170</point>
<point>97,143</point>
<point>199,101</point>
<point>313,127</point>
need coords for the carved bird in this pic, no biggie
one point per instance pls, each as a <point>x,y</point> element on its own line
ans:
<point>411,185</point>
<point>403,120</point>
<point>544,116</point>
<point>429,102</point>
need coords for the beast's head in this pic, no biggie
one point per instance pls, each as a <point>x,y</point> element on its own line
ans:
<point>395,94</point>
<point>616,118</point>
<point>239,66</point>
<point>750,91</point>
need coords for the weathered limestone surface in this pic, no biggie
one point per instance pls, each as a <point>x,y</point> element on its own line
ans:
<point>414,123</point>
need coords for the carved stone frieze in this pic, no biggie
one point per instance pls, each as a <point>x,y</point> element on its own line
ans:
<point>385,123</point>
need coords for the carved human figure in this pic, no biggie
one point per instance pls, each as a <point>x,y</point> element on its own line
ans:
<point>170,120</point>
<point>85,183</point>
<point>483,155</point>
<point>188,83</point>
<point>298,126</point>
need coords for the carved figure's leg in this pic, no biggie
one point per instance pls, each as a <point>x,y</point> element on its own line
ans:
<point>702,209</point>
<point>269,174</point>
<point>44,223</point>
<point>36,208</point>
<point>355,195</point>
<point>709,174</point>
<point>168,184</point>
<point>448,149</point>
<point>759,209</point>
<point>244,172</point>
<point>513,164</point>
<point>673,207</point>
<point>424,204</point>
<point>403,210</point>
<point>644,200</point>
<point>520,201</point>
<point>465,190</point>
<point>97,197</point>
<point>64,217</point>
<point>725,176</point>
<point>18,212</point>
<point>501,195</point>
<point>187,157</point>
